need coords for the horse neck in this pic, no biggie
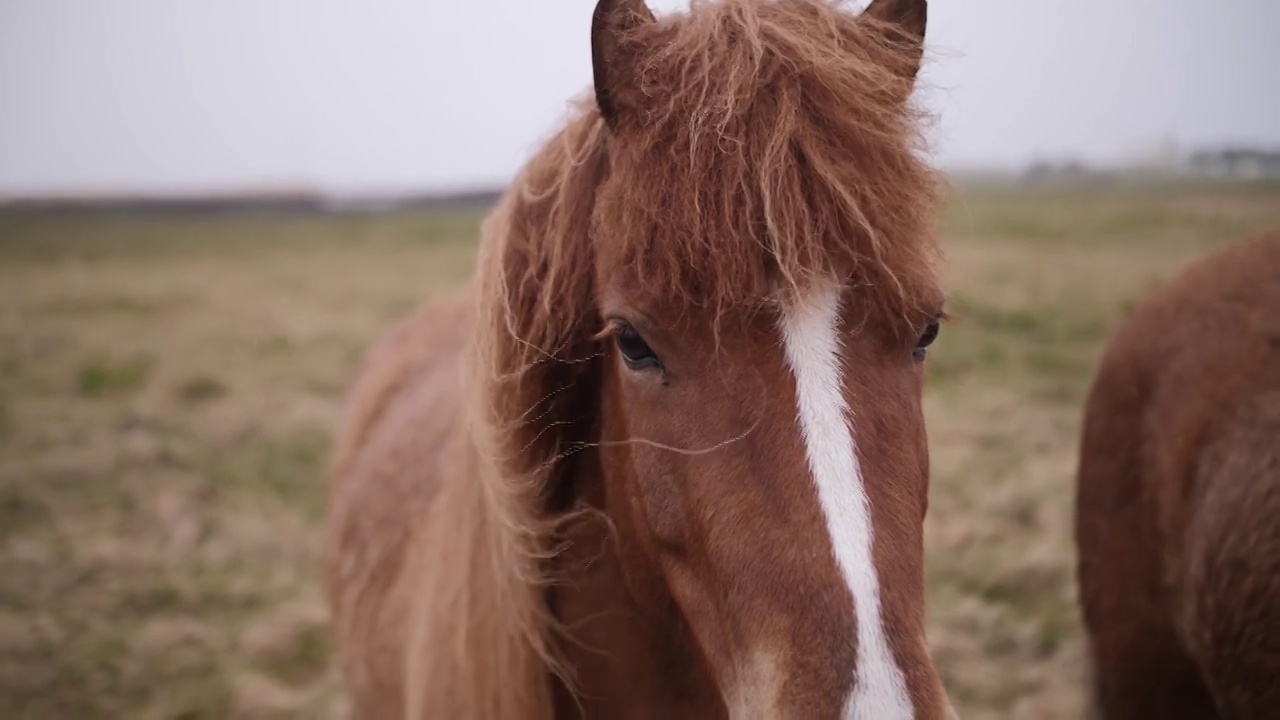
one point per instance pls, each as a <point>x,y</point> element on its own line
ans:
<point>622,634</point>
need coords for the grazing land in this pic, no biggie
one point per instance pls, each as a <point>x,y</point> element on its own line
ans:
<point>169,383</point>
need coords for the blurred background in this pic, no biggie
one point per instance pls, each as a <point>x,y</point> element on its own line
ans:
<point>209,209</point>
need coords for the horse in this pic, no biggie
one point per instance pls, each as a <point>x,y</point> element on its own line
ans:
<point>1178,495</point>
<point>663,454</point>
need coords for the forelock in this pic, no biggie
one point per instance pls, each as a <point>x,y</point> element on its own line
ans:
<point>775,143</point>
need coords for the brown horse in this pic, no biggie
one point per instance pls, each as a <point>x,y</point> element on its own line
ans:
<point>665,457</point>
<point>1178,505</point>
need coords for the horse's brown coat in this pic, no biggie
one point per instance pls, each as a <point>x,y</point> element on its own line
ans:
<point>1178,506</point>
<point>523,527</point>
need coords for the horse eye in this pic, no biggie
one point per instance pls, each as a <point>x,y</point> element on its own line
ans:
<point>635,351</point>
<point>926,339</point>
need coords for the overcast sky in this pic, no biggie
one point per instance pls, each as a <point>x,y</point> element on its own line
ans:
<point>368,95</point>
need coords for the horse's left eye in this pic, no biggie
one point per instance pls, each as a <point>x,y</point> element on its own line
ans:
<point>635,351</point>
<point>926,339</point>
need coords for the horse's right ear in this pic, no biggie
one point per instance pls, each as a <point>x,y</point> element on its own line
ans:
<point>612,57</point>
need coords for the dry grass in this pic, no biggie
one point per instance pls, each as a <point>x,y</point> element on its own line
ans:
<point>168,385</point>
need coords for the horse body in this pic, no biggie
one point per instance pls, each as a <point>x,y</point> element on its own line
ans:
<point>665,456</point>
<point>1178,495</point>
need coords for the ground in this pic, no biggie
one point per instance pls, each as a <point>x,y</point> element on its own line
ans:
<point>168,386</point>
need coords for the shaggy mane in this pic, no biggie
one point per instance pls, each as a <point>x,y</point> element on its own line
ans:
<point>764,145</point>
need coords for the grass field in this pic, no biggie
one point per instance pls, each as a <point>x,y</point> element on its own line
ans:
<point>168,385</point>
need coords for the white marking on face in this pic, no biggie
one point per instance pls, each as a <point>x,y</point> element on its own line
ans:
<point>809,331</point>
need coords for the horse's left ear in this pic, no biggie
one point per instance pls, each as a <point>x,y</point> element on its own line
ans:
<point>613,62</point>
<point>906,20</point>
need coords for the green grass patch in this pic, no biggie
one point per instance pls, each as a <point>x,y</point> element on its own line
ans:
<point>106,377</point>
<point>19,511</point>
<point>7,422</point>
<point>284,468</point>
<point>299,659</point>
<point>201,388</point>
<point>112,304</point>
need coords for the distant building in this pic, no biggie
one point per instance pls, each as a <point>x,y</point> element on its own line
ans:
<point>1051,171</point>
<point>1241,163</point>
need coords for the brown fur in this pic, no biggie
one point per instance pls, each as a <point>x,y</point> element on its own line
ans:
<point>1179,495</point>
<point>521,528</point>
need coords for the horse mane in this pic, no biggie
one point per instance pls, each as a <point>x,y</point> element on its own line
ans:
<point>774,144</point>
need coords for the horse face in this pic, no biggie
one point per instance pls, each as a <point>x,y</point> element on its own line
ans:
<point>762,438</point>
<point>770,468</point>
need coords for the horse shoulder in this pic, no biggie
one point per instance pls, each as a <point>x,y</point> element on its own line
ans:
<point>1230,602</point>
<point>1181,357</point>
<point>1176,494</point>
<point>399,420</point>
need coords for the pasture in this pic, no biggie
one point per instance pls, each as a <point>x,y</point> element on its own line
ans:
<point>168,385</point>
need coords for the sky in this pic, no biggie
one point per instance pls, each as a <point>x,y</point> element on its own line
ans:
<point>360,96</point>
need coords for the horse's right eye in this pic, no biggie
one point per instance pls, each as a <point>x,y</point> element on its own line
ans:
<point>926,339</point>
<point>635,351</point>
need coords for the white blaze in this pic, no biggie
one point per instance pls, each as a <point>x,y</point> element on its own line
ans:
<point>809,331</point>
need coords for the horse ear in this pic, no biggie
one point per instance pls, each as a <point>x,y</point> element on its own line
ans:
<point>611,59</point>
<point>905,21</point>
